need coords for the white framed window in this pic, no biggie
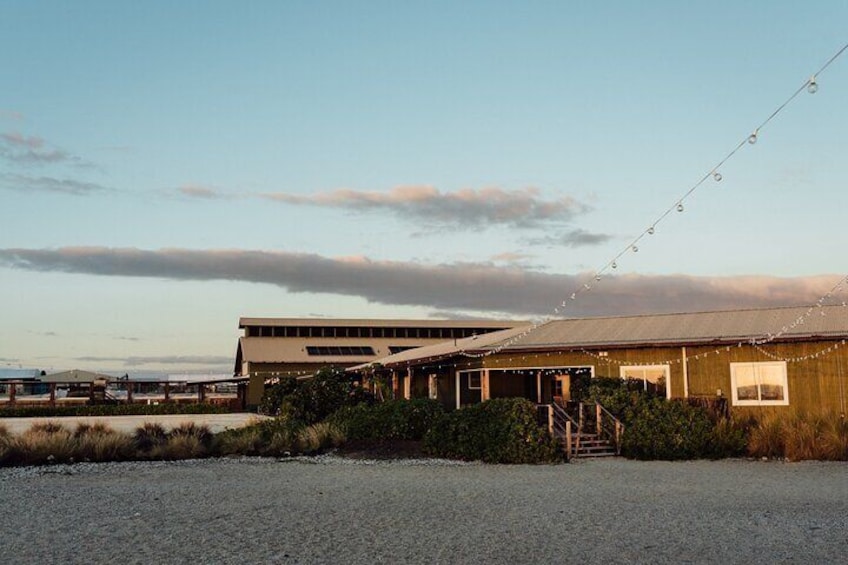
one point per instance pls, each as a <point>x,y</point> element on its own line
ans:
<point>655,378</point>
<point>759,384</point>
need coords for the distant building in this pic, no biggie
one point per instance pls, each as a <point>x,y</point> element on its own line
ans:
<point>275,347</point>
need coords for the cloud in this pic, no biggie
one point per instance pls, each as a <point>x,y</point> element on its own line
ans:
<point>475,287</point>
<point>11,115</point>
<point>573,238</point>
<point>18,148</point>
<point>202,192</point>
<point>24,183</point>
<point>135,361</point>
<point>462,209</point>
<point>509,257</point>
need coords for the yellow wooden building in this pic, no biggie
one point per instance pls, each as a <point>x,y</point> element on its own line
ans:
<point>782,359</point>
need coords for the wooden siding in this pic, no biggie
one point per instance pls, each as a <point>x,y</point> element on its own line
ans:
<point>817,385</point>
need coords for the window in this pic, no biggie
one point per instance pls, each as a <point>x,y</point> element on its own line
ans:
<point>474,380</point>
<point>759,384</point>
<point>654,378</point>
<point>339,350</point>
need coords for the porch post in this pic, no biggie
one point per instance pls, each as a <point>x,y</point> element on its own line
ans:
<point>485,392</point>
<point>685,376</point>
<point>457,376</point>
<point>395,385</point>
<point>52,394</point>
<point>407,384</point>
<point>538,387</point>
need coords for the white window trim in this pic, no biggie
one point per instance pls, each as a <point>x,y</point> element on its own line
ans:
<point>468,372</point>
<point>758,402</point>
<point>665,368</point>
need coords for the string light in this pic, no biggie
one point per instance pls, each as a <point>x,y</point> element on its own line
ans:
<point>810,85</point>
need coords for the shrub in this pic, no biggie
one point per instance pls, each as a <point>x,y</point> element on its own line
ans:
<point>43,443</point>
<point>148,438</point>
<point>313,400</point>
<point>800,437</point>
<point>317,437</point>
<point>668,430</point>
<point>389,420</point>
<point>98,442</point>
<point>272,399</point>
<point>111,410</point>
<point>502,430</point>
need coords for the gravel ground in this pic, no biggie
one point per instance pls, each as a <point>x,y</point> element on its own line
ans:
<point>333,510</point>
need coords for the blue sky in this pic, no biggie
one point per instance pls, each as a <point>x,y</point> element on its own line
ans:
<point>168,167</point>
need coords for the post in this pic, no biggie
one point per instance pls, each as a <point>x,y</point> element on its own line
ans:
<point>201,390</point>
<point>12,392</point>
<point>168,393</point>
<point>407,384</point>
<point>52,394</point>
<point>129,392</point>
<point>598,419</point>
<point>580,418</point>
<point>550,419</point>
<point>457,378</point>
<point>568,439</point>
<point>617,437</point>
<point>538,387</point>
<point>485,393</point>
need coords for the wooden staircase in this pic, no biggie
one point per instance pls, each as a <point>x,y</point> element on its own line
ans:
<point>591,432</point>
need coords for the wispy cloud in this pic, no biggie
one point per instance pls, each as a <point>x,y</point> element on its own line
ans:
<point>510,257</point>
<point>201,192</point>
<point>25,183</point>
<point>21,149</point>
<point>137,361</point>
<point>573,238</point>
<point>462,209</point>
<point>477,287</point>
<point>11,115</point>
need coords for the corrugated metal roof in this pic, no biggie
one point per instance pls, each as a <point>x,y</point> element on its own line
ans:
<point>693,328</point>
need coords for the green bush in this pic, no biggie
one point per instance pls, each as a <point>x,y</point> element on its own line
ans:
<point>111,410</point>
<point>667,429</point>
<point>312,400</point>
<point>503,430</point>
<point>389,420</point>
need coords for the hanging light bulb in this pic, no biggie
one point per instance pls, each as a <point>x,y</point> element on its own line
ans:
<point>717,176</point>
<point>635,249</point>
<point>597,277</point>
<point>812,85</point>
<point>651,230</point>
<point>615,266</point>
<point>587,286</point>
<point>680,206</point>
<point>752,139</point>
<point>573,295</point>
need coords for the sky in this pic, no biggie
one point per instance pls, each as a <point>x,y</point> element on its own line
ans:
<point>168,167</point>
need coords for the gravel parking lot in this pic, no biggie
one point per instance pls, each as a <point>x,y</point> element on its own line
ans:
<point>334,510</point>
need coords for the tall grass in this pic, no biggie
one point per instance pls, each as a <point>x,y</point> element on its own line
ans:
<point>799,437</point>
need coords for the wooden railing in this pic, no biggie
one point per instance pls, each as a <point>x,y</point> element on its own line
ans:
<point>584,419</point>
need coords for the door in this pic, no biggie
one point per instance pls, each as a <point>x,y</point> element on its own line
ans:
<point>561,388</point>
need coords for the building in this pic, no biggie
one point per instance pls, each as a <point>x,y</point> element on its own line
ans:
<point>776,359</point>
<point>275,347</point>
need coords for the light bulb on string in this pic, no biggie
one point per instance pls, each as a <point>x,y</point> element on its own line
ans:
<point>752,139</point>
<point>717,176</point>
<point>652,230</point>
<point>812,86</point>
<point>635,249</point>
<point>680,206</point>
<point>614,265</point>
